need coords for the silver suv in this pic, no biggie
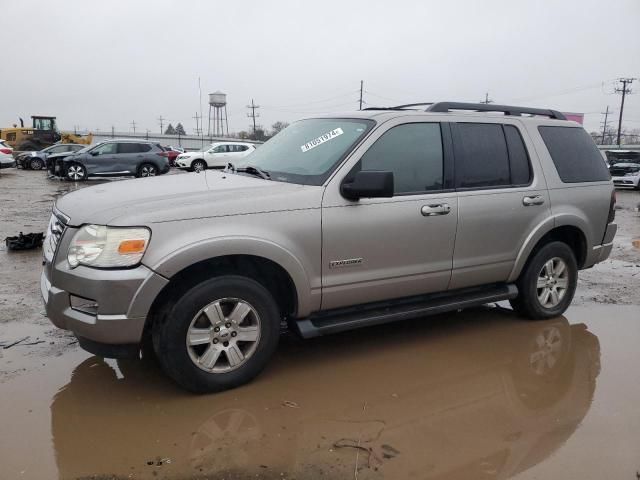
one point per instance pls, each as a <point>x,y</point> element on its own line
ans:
<point>336,223</point>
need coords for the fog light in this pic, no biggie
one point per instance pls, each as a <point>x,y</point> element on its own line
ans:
<point>84,305</point>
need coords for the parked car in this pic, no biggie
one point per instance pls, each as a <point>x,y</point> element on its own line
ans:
<point>626,175</point>
<point>336,223</point>
<point>216,156</point>
<point>173,153</point>
<point>6,155</point>
<point>38,160</point>
<point>114,158</point>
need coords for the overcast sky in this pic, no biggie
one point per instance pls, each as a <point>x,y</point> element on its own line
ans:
<point>102,64</point>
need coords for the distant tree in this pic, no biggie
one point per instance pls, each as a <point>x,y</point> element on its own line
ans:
<point>243,135</point>
<point>170,130</point>
<point>180,129</point>
<point>276,127</point>
<point>259,135</point>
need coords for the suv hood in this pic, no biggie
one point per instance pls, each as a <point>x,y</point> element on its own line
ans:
<point>180,197</point>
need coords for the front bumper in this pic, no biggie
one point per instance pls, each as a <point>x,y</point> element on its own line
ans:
<point>104,306</point>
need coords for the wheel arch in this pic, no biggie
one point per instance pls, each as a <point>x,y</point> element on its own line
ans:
<point>270,274</point>
<point>568,230</point>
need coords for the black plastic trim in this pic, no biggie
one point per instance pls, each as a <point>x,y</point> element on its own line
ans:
<point>349,318</point>
<point>106,350</point>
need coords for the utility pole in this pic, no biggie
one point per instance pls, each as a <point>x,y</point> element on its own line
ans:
<point>487,100</point>
<point>624,90</point>
<point>133,125</point>
<point>197,118</point>
<point>113,129</point>
<point>605,125</point>
<point>361,88</point>
<point>161,120</point>
<point>253,115</point>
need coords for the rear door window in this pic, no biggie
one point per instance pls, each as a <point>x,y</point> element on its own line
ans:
<point>518,156</point>
<point>129,148</point>
<point>576,157</point>
<point>145,147</point>
<point>482,158</point>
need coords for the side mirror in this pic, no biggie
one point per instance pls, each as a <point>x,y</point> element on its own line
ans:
<point>368,184</point>
<point>94,153</point>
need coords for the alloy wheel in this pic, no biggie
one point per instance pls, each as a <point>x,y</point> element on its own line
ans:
<point>148,171</point>
<point>223,335</point>
<point>553,282</point>
<point>75,172</point>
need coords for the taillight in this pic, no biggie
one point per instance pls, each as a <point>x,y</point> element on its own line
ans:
<point>5,150</point>
<point>162,154</point>
<point>612,208</point>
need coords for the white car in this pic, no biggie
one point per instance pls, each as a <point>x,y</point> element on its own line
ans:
<point>625,175</point>
<point>216,156</point>
<point>6,155</point>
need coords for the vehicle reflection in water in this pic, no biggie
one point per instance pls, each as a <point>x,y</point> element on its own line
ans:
<point>480,394</point>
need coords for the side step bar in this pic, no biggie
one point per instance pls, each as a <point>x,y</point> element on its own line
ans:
<point>350,318</point>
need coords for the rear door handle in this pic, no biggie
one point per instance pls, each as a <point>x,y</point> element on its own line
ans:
<point>435,209</point>
<point>530,201</point>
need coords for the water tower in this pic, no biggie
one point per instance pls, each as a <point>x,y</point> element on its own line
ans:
<point>218,104</point>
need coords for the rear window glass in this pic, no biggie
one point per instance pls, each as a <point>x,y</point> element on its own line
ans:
<point>128,148</point>
<point>574,154</point>
<point>145,147</point>
<point>482,159</point>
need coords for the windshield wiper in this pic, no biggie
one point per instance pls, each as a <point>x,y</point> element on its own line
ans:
<point>251,169</point>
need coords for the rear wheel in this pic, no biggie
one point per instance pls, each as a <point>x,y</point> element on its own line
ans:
<point>547,284</point>
<point>36,164</point>
<point>198,165</point>
<point>218,335</point>
<point>76,172</point>
<point>147,170</point>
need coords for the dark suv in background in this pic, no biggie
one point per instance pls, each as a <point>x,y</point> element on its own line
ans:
<point>115,158</point>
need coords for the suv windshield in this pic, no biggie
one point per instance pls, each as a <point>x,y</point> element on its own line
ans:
<point>307,151</point>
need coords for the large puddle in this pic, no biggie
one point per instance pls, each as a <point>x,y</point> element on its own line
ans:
<point>474,395</point>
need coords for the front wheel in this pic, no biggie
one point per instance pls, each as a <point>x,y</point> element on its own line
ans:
<point>198,165</point>
<point>76,172</point>
<point>547,284</point>
<point>218,335</point>
<point>147,170</point>
<point>36,164</point>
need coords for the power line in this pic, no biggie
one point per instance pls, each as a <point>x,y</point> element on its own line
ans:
<point>311,101</point>
<point>253,115</point>
<point>624,91</point>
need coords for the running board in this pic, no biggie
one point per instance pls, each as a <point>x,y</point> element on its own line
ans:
<point>350,318</point>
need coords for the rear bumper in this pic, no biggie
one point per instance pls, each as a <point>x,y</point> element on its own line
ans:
<point>599,253</point>
<point>8,164</point>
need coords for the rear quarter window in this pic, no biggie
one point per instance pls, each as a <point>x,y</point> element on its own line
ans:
<point>576,157</point>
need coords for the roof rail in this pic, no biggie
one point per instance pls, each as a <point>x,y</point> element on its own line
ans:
<point>490,107</point>
<point>400,107</point>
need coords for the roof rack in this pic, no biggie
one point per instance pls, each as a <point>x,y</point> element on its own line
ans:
<point>400,107</point>
<point>445,107</point>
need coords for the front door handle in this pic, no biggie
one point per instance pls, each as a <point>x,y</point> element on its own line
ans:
<point>435,209</point>
<point>530,201</point>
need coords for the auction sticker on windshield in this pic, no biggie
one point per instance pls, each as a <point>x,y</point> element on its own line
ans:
<point>336,132</point>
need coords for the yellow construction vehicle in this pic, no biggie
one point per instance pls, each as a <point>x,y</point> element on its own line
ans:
<point>42,133</point>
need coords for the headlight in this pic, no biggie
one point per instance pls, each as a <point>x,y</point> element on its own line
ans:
<point>108,247</point>
<point>632,174</point>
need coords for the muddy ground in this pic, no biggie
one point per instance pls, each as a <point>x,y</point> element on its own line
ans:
<point>478,394</point>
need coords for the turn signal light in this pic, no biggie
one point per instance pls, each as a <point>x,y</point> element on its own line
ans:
<point>131,246</point>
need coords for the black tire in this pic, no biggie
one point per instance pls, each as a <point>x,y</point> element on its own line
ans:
<point>36,164</point>
<point>528,303</point>
<point>147,170</point>
<point>198,165</point>
<point>75,172</point>
<point>170,336</point>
